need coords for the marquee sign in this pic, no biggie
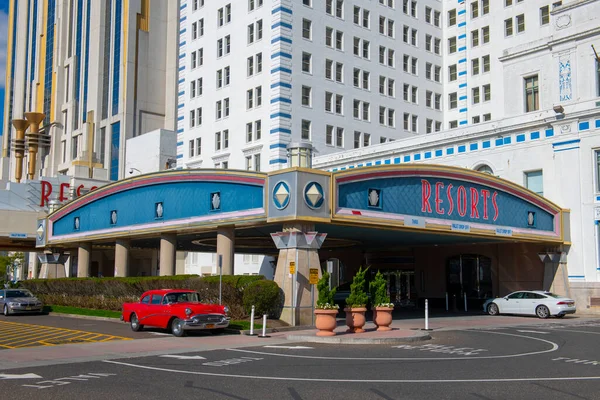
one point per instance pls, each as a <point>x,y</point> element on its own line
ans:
<point>444,199</point>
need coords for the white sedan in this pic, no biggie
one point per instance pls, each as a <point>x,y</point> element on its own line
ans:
<point>535,302</point>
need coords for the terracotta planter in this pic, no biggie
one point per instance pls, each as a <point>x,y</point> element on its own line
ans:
<point>382,317</point>
<point>355,319</point>
<point>325,322</point>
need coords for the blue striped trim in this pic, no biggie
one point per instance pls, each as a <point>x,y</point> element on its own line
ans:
<point>378,162</point>
<point>183,6</point>
<point>462,48</point>
<point>182,56</point>
<point>462,60</point>
<point>182,43</point>
<point>282,24</point>
<point>278,161</point>
<point>179,143</point>
<point>462,85</point>
<point>359,165</point>
<point>584,126</point>
<point>180,130</point>
<point>473,146</point>
<point>180,118</point>
<point>282,84</point>
<point>417,156</point>
<point>598,123</point>
<point>462,110</point>
<point>566,142</point>
<point>549,132</point>
<point>181,80</point>
<point>181,32</point>
<point>461,73</point>
<point>182,19</point>
<point>577,276</point>
<point>280,130</point>
<point>180,106</point>
<point>534,135</point>
<point>281,115</point>
<point>406,158</point>
<point>182,68</point>
<point>281,99</point>
<point>439,153</point>
<point>281,69</point>
<point>461,12</point>
<point>388,161</point>
<point>369,164</point>
<point>281,39</point>
<point>507,140</point>
<point>486,144</point>
<point>461,24</point>
<point>179,156</point>
<point>520,138</point>
<point>283,10</point>
<point>462,148</point>
<point>462,36</point>
<point>397,160</point>
<point>499,142</point>
<point>281,54</point>
<point>427,154</point>
<point>568,148</point>
<point>463,97</point>
<point>464,122</point>
<point>278,145</point>
<point>450,150</point>
<point>181,93</point>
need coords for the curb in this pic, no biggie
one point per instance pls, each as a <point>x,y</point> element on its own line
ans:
<point>55,314</point>
<point>358,340</point>
<point>276,330</point>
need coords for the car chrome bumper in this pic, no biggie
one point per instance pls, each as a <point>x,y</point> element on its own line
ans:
<point>567,311</point>
<point>201,323</point>
<point>19,309</point>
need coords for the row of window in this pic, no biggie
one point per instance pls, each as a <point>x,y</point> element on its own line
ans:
<point>476,96</point>
<point>482,7</point>
<point>476,63</point>
<point>476,119</point>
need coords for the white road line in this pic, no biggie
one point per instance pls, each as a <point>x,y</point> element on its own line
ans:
<point>335,380</point>
<point>544,333</point>
<point>554,348</point>
<point>19,376</point>
<point>289,347</point>
<point>180,357</point>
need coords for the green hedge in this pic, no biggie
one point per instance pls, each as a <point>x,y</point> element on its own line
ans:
<point>111,293</point>
<point>265,296</point>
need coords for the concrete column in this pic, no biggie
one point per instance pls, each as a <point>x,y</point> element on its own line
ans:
<point>122,247</point>
<point>84,254</point>
<point>168,246</point>
<point>226,247</point>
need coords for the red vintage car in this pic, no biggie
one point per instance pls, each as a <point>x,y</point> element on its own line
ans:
<point>178,310</point>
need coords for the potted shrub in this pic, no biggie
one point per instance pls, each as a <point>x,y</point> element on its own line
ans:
<point>326,310</point>
<point>356,303</point>
<point>381,306</point>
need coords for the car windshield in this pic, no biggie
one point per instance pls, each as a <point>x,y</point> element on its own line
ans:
<point>181,297</point>
<point>18,293</point>
<point>552,295</point>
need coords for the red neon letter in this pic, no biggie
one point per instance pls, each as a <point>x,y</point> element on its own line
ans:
<point>62,196</point>
<point>461,201</point>
<point>474,201</point>
<point>495,204</point>
<point>79,190</point>
<point>450,201</point>
<point>46,192</point>
<point>438,201</point>
<point>425,195</point>
<point>485,194</point>
<point>93,187</point>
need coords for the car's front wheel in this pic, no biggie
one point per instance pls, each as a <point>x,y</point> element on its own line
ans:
<point>493,309</point>
<point>177,327</point>
<point>6,311</point>
<point>542,312</point>
<point>135,323</point>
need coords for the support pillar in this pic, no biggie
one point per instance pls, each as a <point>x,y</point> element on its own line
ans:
<point>225,248</point>
<point>301,247</point>
<point>84,254</point>
<point>168,246</point>
<point>122,247</point>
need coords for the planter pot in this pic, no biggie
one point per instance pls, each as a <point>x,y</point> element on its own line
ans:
<point>355,319</point>
<point>382,317</point>
<point>325,322</point>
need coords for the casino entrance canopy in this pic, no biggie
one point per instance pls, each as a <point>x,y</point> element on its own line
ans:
<point>371,207</point>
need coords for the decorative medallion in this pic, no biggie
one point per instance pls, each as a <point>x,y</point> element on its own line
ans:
<point>158,210</point>
<point>40,232</point>
<point>313,195</point>
<point>281,195</point>
<point>531,219</point>
<point>215,201</point>
<point>113,217</point>
<point>76,223</point>
<point>563,21</point>
<point>374,198</point>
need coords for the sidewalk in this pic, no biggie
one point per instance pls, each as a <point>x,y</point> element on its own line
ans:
<point>404,330</point>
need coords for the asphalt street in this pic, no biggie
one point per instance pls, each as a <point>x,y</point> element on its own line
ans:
<point>554,360</point>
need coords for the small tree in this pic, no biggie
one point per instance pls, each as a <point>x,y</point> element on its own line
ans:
<point>7,263</point>
<point>358,295</point>
<point>325,299</point>
<point>379,295</point>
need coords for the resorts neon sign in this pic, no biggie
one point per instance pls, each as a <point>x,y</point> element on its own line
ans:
<point>463,200</point>
<point>63,195</point>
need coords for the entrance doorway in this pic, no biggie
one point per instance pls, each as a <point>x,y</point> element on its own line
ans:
<point>470,275</point>
<point>401,286</point>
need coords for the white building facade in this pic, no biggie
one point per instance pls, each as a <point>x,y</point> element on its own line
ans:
<point>546,94</point>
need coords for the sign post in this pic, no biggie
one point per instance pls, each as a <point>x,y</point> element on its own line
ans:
<point>220,260</point>
<point>313,279</point>
<point>293,274</point>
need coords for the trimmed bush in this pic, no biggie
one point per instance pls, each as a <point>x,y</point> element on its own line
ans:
<point>265,296</point>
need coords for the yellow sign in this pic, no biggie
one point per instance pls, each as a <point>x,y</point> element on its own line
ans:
<point>292,267</point>
<point>313,276</point>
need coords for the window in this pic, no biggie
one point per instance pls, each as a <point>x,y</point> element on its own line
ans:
<point>487,92</point>
<point>486,63</point>
<point>453,124</point>
<point>508,27</point>
<point>597,168</point>
<point>306,29</point>
<point>485,32</point>
<point>192,118</point>
<point>428,39</point>
<point>306,127</point>
<point>339,72</point>
<point>250,66</point>
<point>306,62</point>
<point>339,137</point>
<point>428,126</point>
<point>306,96</point>
<point>191,149</point>
<point>357,140</point>
<point>413,64</point>
<point>544,15</point>
<point>436,45</point>
<point>339,40</point>
<point>452,73</point>
<point>329,101</point>
<point>532,96</point>
<point>475,38</point>
<point>452,45</point>
<point>428,98</point>
<point>438,101</point>
<point>391,118</point>
<point>192,89</point>
<point>256,168</point>
<point>329,135</point>
<point>487,117</point>
<point>428,11</point>
<point>475,95</point>
<point>428,69</point>
<point>474,9</point>
<point>453,100</point>
<point>476,119</point>
<point>217,141</point>
<point>199,116</point>
<point>437,18</point>
<point>534,181</point>
<point>199,86</point>
<point>339,103</point>
<point>201,27</point>
<point>452,17</point>
<point>329,69</point>
<point>198,146</point>
<point>413,37</point>
<point>248,132</point>
<point>367,140</point>
<point>414,123</point>
<point>194,59</point>
<point>307,3</point>
<point>437,73</point>
<point>194,31</point>
<point>508,3</point>
<point>520,23</point>
<point>485,5</point>
<point>475,66</point>
<point>406,121</point>
<point>598,78</point>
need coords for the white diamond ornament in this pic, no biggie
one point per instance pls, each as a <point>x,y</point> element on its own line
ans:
<point>159,210</point>
<point>216,201</point>
<point>373,198</point>
<point>282,194</point>
<point>530,218</point>
<point>313,194</point>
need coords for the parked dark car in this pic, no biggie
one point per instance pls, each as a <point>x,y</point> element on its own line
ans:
<point>13,301</point>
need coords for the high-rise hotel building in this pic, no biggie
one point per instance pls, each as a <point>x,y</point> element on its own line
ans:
<point>102,71</point>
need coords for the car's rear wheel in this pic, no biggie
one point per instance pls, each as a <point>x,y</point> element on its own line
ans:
<point>135,323</point>
<point>177,327</point>
<point>6,311</point>
<point>542,312</point>
<point>217,331</point>
<point>493,309</point>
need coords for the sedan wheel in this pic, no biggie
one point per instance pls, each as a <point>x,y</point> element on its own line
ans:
<point>6,311</point>
<point>177,327</point>
<point>493,309</point>
<point>542,312</point>
<point>135,323</point>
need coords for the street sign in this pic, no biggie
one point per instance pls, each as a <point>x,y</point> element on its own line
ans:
<point>292,267</point>
<point>313,276</point>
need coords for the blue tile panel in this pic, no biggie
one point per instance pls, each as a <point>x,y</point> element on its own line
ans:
<point>115,146</point>
<point>49,58</point>
<point>86,59</point>
<point>117,57</point>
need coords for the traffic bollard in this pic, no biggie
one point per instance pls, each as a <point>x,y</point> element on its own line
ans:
<point>264,330</point>
<point>426,315</point>
<point>252,323</point>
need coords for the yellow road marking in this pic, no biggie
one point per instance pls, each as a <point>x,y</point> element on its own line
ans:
<point>15,335</point>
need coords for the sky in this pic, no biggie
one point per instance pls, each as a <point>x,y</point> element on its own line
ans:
<point>3,42</point>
